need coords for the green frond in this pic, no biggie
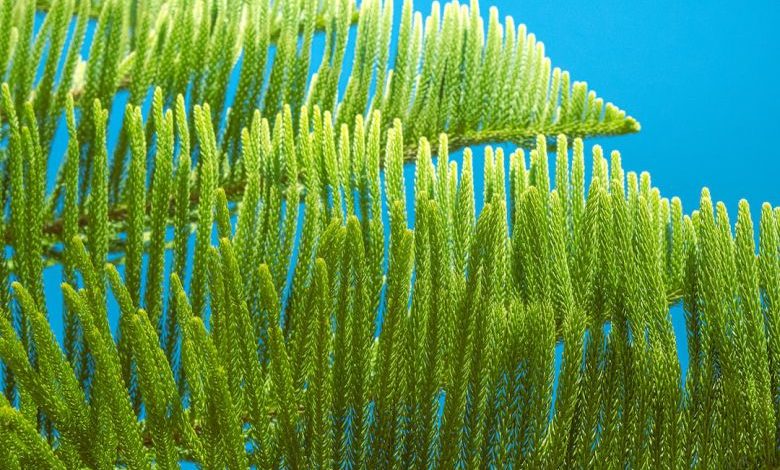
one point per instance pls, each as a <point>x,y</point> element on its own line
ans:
<point>24,444</point>
<point>423,85</point>
<point>97,205</point>
<point>282,322</point>
<point>319,430</point>
<point>206,185</point>
<point>160,202</point>
<point>308,379</point>
<point>136,201</point>
<point>280,376</point>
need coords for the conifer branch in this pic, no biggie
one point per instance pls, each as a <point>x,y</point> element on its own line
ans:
<point>328,321</point>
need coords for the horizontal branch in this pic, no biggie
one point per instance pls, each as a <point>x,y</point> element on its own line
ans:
<point>523,138</point>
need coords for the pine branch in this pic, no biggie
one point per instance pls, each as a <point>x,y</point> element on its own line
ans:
<point>310,336</point>
<point>502,415</point>
<point>554,106</point>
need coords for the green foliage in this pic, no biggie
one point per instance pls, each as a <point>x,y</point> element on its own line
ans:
<point>427,345</point>
<point>461,370</point>
<point>191,47</point>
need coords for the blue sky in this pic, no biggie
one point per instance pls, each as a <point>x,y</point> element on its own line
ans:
<point>698,75</point>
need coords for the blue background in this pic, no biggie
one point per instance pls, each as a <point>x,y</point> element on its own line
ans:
<point>699,76</point>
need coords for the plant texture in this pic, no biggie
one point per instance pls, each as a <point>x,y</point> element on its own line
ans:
<point>283,304</point>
